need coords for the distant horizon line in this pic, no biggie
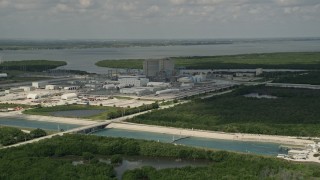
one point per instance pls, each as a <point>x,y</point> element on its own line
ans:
<point>161,39</point>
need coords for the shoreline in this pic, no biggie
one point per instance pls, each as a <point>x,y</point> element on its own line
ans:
<point>19,115</point>
<point>283,140</point>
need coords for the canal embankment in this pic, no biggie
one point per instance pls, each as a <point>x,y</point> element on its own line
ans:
<point>285,140</point>
<point>19,115</point>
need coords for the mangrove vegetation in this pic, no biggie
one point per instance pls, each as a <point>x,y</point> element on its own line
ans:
<point>54,159</point>
<point>294,112</point>
<point>290,60</point>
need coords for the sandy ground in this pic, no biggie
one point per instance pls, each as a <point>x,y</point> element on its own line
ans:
<point>310,158</point>
<point>285,140</point>
<point>19,115</point>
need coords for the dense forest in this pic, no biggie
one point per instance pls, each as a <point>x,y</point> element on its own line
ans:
<point>294,112</point>
<point>11,135</point>
<point>292,60</point>
<point>53,159</point>
<point>311,77</point>
<point>31,65</point>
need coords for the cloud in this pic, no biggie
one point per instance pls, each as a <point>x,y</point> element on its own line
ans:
<point>85,3</point>
<point>188,14</point>
<point>297,2</point>
<point>4,3</point>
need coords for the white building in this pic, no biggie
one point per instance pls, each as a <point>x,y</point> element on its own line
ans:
<point>51,87</point>
<point>32,96</point>
<point>3,75</point>
<point>199,78</point>
<point>27,88</point>
<point>69,96</point>
<point>109,86</point>
<point>136,81</point>
<point>40,84</point>
<point>259,71</point>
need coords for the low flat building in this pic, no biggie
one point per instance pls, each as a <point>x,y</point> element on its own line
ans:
<point>51,87</point>
<point>69,96</point>
<point>135,91</point>
<point>40,84</point>
<point>109,86</point>
<point>32,96</point>
<point>27,88</point>
<point>3,75</point>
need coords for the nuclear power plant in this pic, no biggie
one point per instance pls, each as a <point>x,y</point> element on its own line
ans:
<point>159,69</point>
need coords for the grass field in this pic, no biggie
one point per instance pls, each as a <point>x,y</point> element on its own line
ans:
<point>295,112</point>
<point>47,111</point>
<point>294,60</point>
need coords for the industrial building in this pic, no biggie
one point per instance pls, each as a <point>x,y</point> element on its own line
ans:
<point>109,86</point>
<point>69,96</point>
<point>27,88</point>
<point>136,81</point>
<point>158,69</point>
<point>51,87</point>
<point>39,85</point>
<point>32,96</point>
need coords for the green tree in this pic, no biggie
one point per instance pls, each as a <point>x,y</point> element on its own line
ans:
<point>116,159</point>
<point>37,133</point>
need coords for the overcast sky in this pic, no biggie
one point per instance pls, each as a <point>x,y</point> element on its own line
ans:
<point>160,19</point>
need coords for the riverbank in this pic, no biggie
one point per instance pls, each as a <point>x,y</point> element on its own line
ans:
<point>285,140</point>
<point>19,115</point>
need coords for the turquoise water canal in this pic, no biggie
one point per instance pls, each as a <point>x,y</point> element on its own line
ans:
<point>270,149</point>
